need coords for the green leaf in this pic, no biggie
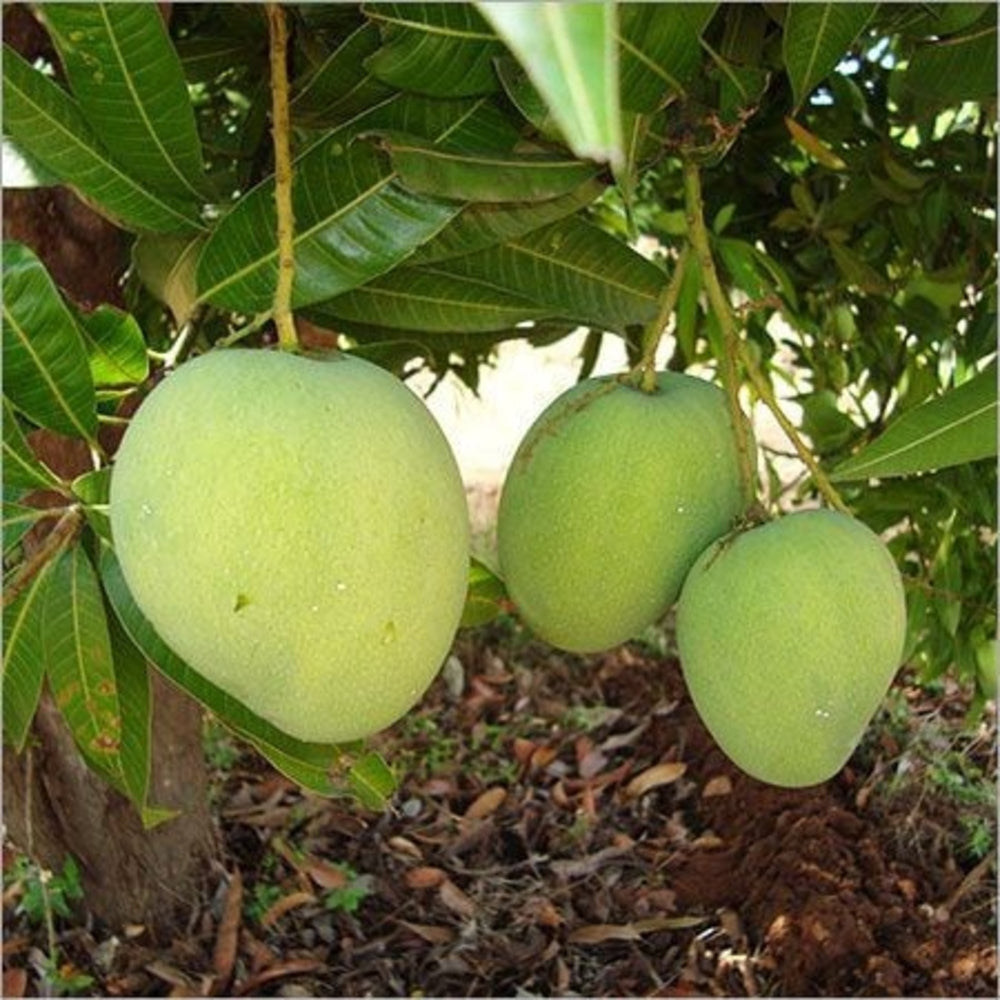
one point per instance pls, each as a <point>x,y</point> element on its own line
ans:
<point>18,520</point>
<point>439,49</point>
<point>957,427</point>
<point>431,300</point>
<point>857,271</point>
<point>572,269</point>
<point>310,764</point>
<point>816,37</point>
<point>46,372</point>
<point>485,224</point>
<point>127,77</point>
<point>77,650</point>
<point>167,266</point>
<point>115,346</point>
<point>342,86</point>
<point>93,489</point>
<point>20,466</point>
<point>446,173</point>
<point>660,50</point>
<point>371,780</point>
<point>485,597</point>
<point>23,658</point>
<point>354,220</point>
<point>570,52</point>
<point>48,124</point>
<point>960,68</point>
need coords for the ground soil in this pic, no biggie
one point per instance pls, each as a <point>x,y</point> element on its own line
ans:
<point>566,826</point>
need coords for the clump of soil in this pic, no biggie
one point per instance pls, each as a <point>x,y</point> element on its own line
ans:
<point>566,826</point>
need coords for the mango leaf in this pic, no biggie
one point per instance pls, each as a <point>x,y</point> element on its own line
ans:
<point>132,681</point>
<point>439,49</point>
<point>445,173</point>
<point>24,658</point>
<point>93,490</point>
<point>354,220</point>
<point>115,346</point>
<point>20,466</point>
<point>957,427</point>
<point>526,98</point>
<point>816,37</point>
<point>570,53</point>
<point>856,270</point>
<point>660,50</point>
<point>485,598</point>
<point>18,520</point>
<point>485,224</point>
<point>77,650</point>
<point>167,266</point>
<point>49,125</point>
<point>46,373</point>
<point>310,764</point>
<point>371,780</point>
<point>960,68</point>
<point>204,56</point>
<point>572,269</point>
<point>127,77</point>
<point>342,86</point>
<point>430,300</point>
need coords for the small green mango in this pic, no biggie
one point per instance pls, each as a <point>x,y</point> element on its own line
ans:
<point>608,501</point>
<point>789,636</point>
<point>297,531</point>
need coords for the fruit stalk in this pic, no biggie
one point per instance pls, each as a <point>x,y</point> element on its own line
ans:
<point>735,349</point>
<point>646,369</point>
<point>280,130</point>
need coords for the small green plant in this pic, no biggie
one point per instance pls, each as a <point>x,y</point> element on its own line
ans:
<point>262,897</point>
<point>347,898</point>
<point>221,751</point>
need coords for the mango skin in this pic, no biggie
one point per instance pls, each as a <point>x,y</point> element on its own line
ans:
<point>297,531</point>
<point>789,636</point>
<point>610,497</point>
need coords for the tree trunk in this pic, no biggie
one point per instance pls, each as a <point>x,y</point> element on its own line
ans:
<point>53,804</point>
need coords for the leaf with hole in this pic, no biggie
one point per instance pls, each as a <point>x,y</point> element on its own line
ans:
<point>127,77</point>
<point>48,124</point>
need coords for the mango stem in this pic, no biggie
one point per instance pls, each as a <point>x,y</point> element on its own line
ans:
<point>645,370</point>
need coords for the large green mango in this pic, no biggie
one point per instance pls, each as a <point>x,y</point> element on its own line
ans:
<point>297,531</point>
<point>609,499</point>
<point>789,637</point>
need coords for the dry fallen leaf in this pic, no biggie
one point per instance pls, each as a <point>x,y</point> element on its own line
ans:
<point>284,905</point>
<point>326,876</point>
<point>456,900</point>
<point>425,877</point>
<point>293,967</point>
<point>15,981</point>
<point>654,777</point>
<point>487,803</point>
<point>430,933</point>
<point>227,940</point>
<point>598,933</point>
<point>721,784</point>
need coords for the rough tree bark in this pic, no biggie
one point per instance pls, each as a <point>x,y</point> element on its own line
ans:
<point>129,875</point>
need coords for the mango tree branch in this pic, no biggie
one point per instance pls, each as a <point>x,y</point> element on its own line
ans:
<point>645,371</point>
<point>698,235</point>
<point>280,131</point>
<point>54,542</point>
<point>734,349</point>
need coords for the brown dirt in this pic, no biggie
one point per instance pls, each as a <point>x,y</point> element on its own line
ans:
<point>566,826</point>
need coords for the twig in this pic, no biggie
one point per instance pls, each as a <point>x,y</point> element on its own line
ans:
<point>698,235</point>
<point>60,536</point>
<point>645,370</point>
<point>280,131</point>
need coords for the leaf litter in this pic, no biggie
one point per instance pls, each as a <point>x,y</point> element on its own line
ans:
<point>565,825</point>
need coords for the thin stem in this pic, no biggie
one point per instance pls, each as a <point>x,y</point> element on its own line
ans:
<point>287,338</point>
<point>645,370</point>
<point>60,535</point>
<point>698,234</point>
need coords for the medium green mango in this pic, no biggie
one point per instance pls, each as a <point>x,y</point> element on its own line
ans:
<point>297,531</point>
<point>608,501</point>
<point>789,636</point>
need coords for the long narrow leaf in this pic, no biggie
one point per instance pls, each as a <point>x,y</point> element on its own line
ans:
<point>958,427</point>
<point>354,220</point>
<point>127,77</point>
<point>77,650</point>
<point>20,466</point>
<point>570,52</point>
<point>115,346</point>
<point>46,374</point>
<point>48,124</point>
<point>23,658</point>
<point>572,269</point>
